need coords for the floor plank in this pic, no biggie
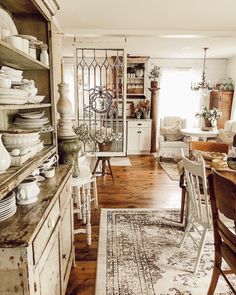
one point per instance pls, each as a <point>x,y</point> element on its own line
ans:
<point>142,185</point>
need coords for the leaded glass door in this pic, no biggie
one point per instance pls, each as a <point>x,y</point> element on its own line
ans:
<point>101,96</point>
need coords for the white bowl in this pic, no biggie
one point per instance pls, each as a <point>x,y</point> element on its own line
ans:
<point>19,139</point>
<point>5,83</point>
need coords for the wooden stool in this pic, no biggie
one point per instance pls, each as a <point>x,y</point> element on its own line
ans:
<point>103,172</point>
<point>82,188</point>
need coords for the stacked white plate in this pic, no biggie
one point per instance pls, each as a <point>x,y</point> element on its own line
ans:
<point>13,96</point>
<point>28,123</point>
<point>7,206</point>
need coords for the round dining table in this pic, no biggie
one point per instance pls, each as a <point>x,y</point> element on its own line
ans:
<point>197,132</point>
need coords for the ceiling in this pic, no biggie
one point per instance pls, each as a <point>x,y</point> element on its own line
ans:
<point>157,28</point>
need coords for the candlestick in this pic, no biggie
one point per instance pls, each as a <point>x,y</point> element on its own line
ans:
<point>62,71</point>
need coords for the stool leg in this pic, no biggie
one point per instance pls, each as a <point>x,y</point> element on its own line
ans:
<point>95,168</point>
<point>103,167</point>
<point>88,215</point>
<point>83,205</point>
<point>109,165</point>
<point>95,192</point>
<point>78,201</point>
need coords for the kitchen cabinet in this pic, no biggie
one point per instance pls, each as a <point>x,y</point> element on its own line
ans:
<point>138,137</point>
<point>222,100</point>
<point>36,246</point>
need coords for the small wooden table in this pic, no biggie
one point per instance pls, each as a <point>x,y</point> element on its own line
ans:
<point>197,132</point>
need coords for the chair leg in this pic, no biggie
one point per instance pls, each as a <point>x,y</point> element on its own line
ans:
<point>183,198</point>
<point>199,255</point>
<point>95,193</point>
<point>189,226</point>
<point>214,280</point>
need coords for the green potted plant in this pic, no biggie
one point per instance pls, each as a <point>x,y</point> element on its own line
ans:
<point>209,115</point>
<point>153,75</point>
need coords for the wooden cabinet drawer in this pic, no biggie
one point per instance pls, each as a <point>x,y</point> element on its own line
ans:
<point>139,123</point>
<point>45,232</point>
<point>65,194</point>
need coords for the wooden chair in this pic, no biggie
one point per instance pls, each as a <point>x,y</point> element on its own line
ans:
<point>206,146</point>
<point>223,201</point>
<point>209,146</point>
<point>199,207</point>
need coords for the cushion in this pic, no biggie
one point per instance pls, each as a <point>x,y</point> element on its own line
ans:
<point>172,132</point>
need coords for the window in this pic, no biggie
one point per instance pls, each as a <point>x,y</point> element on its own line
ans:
<point>176,97</point>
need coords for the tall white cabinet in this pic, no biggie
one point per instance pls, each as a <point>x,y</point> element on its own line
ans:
<point>138,136</point>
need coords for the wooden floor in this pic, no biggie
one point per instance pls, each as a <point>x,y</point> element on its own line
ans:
<point>142,185</point>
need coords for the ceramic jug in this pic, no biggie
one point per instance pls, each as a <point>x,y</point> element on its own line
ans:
<point>5,159</point>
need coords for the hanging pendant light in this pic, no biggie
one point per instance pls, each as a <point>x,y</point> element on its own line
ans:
<point>203,85</point>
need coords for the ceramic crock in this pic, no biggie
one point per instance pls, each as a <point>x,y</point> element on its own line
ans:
<point>27,191</point>
<point>5,159</point>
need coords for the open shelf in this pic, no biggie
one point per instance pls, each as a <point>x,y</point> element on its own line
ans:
<point>24,106</point>
<point>15,175</point>
<point>17,59</point>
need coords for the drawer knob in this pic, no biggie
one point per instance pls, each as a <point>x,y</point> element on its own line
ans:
<point>139,124</point>
<point>64,256</point>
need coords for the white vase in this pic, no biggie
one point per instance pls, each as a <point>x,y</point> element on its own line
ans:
<point>5,159</point>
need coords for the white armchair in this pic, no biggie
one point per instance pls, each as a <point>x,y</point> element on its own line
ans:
<point>170,139</point>
<point>227,134</point>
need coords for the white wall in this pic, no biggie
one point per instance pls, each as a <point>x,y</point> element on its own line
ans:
<point>231,72</point>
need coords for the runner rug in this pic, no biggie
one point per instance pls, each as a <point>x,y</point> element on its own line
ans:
<point>139,254</point>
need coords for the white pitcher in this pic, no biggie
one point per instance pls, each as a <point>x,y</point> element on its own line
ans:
<point>5,159</point>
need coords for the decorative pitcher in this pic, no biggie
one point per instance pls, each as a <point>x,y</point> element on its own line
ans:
<point>5,159</point>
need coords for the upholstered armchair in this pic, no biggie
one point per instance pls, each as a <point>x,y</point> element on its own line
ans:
<point>227,134</point>
<point>171,139</point>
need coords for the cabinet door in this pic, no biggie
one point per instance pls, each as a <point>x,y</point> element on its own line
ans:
<point>133,139</point>
<point>66,242</point>
<point>49,276</point>
<point>145,139</point>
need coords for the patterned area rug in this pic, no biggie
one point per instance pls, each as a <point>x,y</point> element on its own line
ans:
<point>138,254</point>
<point>170,169</point>
<point>120,161</point>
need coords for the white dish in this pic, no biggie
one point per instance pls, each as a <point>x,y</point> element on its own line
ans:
<point>20,138</point>
<point>11,71</point>
<point>13,92</point>
<point>11,206</point>
<point>7,22</point>
<point>12,101</point>
<point>7,198</point>
<point>31,120</point>
<point>36,98</point>
<point>28,37</point>
<point>27,202</point>
<point>32,115</point>
<point>21,146</point>
<point>9,215</point>
<point>30,124</point>
<point>7,205</point>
